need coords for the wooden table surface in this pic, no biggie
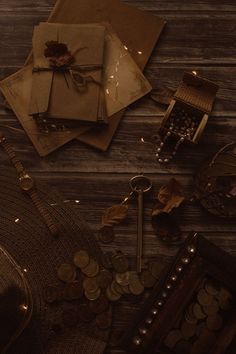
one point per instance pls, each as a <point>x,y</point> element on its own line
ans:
<point>200,35</point>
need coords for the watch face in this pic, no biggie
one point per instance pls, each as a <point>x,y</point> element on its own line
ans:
<point>26,183</point>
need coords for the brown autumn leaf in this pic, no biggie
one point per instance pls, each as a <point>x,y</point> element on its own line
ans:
<point>114,215</point>
<point>169,197</point>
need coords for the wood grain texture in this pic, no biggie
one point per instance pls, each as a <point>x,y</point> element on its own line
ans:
<point>199,35</point>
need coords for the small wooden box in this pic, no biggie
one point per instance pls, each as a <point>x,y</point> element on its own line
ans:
<point>195,96</point>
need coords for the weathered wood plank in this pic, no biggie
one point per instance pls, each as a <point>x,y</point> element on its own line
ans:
<point>126,153</point>
<point>170,76</point>
<point>186,39</point>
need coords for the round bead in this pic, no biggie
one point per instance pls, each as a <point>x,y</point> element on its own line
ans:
<point>160,160</point>
<point>149,320</point>
<point>179,269</point>
<point>159,150</point>
<point>182,139</point>
<point>185,260</point>
<point>174,277</point>
<point>191,249</point>
<point>160,303</point>
<point>154,311</point>
<point>143,330</point>
<point>168,133</point>
<point>164,294</point>
<point>171,127</point>
<point>157,155</point>
<point>168,286</point>
<point>166,160</point>
<point>161,144</point>
<point>137,340</point>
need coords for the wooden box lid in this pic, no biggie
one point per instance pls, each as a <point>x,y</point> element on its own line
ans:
<point>197,92</point>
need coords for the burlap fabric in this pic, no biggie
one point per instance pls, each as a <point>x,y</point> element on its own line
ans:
<point>24,235</point>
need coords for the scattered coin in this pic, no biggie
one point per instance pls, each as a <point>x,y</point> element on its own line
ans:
<point>66,273</point>
<point>70,317</point>
<point>189,314</point>
<point>204,298</point>
<point>50,294</point>
<point>214,322</point>
<point>212,309</point>
<point>106,260</point>
<point>225,299</point>
<point>120,262</point>
<point>118,288</point>
<point>104,320</point>
<point>104,278</point>
<point>188,329</point>
<point>182,347</point>
<point>90,284</point>
<point>147,279</point>
<point>100,305</point>
<point>73,291</point>
<point>106,234</point>
<point>81,259</point>
<point>126,289</point>
<point>112,296</point>
<point>172,338</point>
<point>84,313</point>
<point>207,338</point>
<point>93,295</point>
<point>135,285</point>
<point>92,269</point>
<point>211,288</point>
<point>122,278</point>
<point>198,312</point>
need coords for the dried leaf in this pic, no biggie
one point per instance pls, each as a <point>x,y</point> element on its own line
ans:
<point>115,214</point>
<point>170,196</point>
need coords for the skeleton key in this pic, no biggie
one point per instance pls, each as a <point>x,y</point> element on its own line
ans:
<point>140,184</point>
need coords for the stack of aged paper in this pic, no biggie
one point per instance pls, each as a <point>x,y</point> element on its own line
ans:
<point>127,37</point>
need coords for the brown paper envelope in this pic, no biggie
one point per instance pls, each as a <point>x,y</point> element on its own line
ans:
<point>123,81</point>
<point>16,89</point>
<point>64,101</point>
<point>138,30</point>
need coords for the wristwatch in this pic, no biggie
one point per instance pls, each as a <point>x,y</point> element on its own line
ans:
<point>27,185</point>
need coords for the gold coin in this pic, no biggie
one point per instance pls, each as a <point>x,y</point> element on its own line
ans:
<point>92,269</point>
<point>147,279</point>
<point>212,309</point>
<point>189,315</point>
<point>198,313</point>
<point>104,278</point>
<point>204,298</point>
<point>122,278</point>
<point>113,288</point>
<point>188,329</point>
<point>120,262</point>
<point>173,338</point>
<point>106,234</point>
<point>106,260</point>
<point>214,322</point>
<point>211,288</point>
<point>135,285</point>
<point>66,273</point>
<point>93,295</point>
<point>118,288</point>
<point>90,285</point>
<point>126,289</point>
<point>111,295</point>
<point>81,259</point>
<point>225,299</point>
<point>182,347</point>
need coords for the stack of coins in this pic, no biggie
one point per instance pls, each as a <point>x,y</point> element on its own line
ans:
<point>96,287</point>
<point>203,318</point>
